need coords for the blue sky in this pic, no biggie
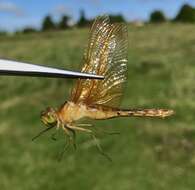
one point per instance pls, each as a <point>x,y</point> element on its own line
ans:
<point>15,14</point>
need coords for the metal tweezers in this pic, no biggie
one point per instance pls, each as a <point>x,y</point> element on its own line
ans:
<point>14,68</point>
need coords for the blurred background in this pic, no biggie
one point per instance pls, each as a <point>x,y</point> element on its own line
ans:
<point>148,153</point>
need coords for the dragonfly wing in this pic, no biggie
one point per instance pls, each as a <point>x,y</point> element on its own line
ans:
<point>106,55</point>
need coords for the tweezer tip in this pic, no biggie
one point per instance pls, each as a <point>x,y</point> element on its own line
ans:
<point>100,76</point>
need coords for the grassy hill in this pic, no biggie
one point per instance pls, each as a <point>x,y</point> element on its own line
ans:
<point>148,154</point>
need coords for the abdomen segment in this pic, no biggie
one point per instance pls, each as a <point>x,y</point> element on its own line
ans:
<point>146,113</point>
<point>103,112</point>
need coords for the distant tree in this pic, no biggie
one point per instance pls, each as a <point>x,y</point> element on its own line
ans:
<point>116,18</point>
<point>186,14</point>
<point>63,23</point>
<point>83,21</point>
<point>48,23</point>
<point>3,33</point>
<point>18,32</point>
<point>157,17</point>
<point>28,30</point>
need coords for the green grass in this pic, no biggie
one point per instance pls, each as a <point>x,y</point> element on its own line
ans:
<point>148,154</point>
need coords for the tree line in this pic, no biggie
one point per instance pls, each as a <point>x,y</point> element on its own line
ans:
<point>186,14</point>
<point>48,23</point>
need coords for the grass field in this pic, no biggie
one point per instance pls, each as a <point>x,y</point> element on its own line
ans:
<point>148,154</point>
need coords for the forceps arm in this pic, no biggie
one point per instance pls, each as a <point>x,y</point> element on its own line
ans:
<point>8,67</point>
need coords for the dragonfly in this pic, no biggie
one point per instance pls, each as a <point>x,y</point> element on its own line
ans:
<point>106,55</point>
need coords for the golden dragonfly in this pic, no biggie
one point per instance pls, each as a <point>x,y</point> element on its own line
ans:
<point>106,54</point>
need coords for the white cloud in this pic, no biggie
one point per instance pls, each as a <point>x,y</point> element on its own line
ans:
<point>9,7</point>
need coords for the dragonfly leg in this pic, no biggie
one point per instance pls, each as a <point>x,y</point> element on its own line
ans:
<point>53,136</point>
<point>42,132</point>
<point>71,140</point>
<point>71,135</point>
<point>99,148</point>
<point>65,147</point>
<point>97,143</point>
<point>84,125</point>
<point>79,128</point>
<point>111,132</point>
<point>58,125</point>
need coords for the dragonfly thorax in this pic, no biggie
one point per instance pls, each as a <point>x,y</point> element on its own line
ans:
<point>71,112</point>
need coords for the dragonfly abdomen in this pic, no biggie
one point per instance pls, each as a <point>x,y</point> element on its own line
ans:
<point>145,113</point>
<point>104,112</point>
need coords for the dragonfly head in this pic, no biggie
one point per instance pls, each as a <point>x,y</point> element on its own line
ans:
<point>49,117</point>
